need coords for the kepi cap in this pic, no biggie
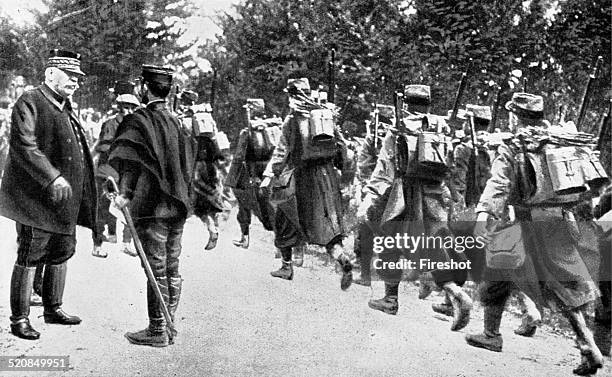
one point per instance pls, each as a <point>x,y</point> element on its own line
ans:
<point>157,74</point>
<point>66,61</point>
<point>479,112</point>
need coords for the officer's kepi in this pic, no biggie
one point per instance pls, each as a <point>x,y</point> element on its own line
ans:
<point>67,61</point>
<point>157,74</point>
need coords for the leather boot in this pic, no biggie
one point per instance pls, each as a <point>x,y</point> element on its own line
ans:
<point>212,241</point>
<point>285,272</point>
<point>38,279</point>
<point>175,285</point>
<point>445,307</point>
<point>592,359</point>
<point>426,286</point>
<point>462,305</point>
<point>387,304</point>
<point>243,242</point>
<point>490,339</point>
<point>531,316</point>
<point>347,272</point>
<point>337,252</point>
<point>21,289</point>
<point>156,334</point>
<point>54,281</point>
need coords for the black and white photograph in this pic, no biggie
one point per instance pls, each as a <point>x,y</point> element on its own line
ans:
<point>305,188</point>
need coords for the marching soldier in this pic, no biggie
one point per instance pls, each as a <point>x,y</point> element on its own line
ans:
<point>48,188</point>
<point>552,270</point>
<point>126,104</point>
<point>253,153</point>
<point>305,186</point>
<point>207,187</point>
<point>406,197</point>
<point>155,172</point>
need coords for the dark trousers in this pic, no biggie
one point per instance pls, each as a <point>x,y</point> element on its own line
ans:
<point>37,246</point>
<point>244,219</point>
<point>161,240</point>
<point>363,248</point>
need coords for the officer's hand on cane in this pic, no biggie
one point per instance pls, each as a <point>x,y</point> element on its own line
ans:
<point>121,201</point>
<point>60,189</point>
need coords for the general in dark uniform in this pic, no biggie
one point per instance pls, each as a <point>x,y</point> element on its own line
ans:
<point>48,188</point>
<point>151,155</point>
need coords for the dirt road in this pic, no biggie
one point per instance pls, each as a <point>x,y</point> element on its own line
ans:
<point>235,320</point>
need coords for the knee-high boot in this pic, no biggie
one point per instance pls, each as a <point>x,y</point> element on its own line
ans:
<point>54,281</point>
<point>155,334</point>
<point>21,289</point>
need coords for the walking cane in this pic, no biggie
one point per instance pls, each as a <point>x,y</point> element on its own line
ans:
<point>143,258</point>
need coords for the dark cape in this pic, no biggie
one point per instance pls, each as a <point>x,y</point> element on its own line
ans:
<point>151,140</point>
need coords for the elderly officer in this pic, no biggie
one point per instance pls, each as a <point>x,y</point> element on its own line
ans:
<point>48,188</point>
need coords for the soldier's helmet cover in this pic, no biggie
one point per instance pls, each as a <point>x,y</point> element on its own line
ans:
<point>417,94</point>
<point>188,97</point>
<point>526,105</point>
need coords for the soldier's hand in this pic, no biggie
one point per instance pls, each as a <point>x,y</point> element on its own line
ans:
<point>481,229</point>
<point>60,189</point>
<point>121,201</point>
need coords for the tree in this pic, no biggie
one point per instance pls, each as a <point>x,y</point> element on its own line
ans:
<point>115,37</point>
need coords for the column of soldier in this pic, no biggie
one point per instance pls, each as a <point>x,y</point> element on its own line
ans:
<point>167,160</point>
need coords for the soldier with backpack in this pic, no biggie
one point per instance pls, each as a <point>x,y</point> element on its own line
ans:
<point>304,183</point>
<point>407,195</point>
<point>254,150</point>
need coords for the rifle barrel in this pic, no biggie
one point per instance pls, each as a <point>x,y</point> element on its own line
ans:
<point>584,103</point>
